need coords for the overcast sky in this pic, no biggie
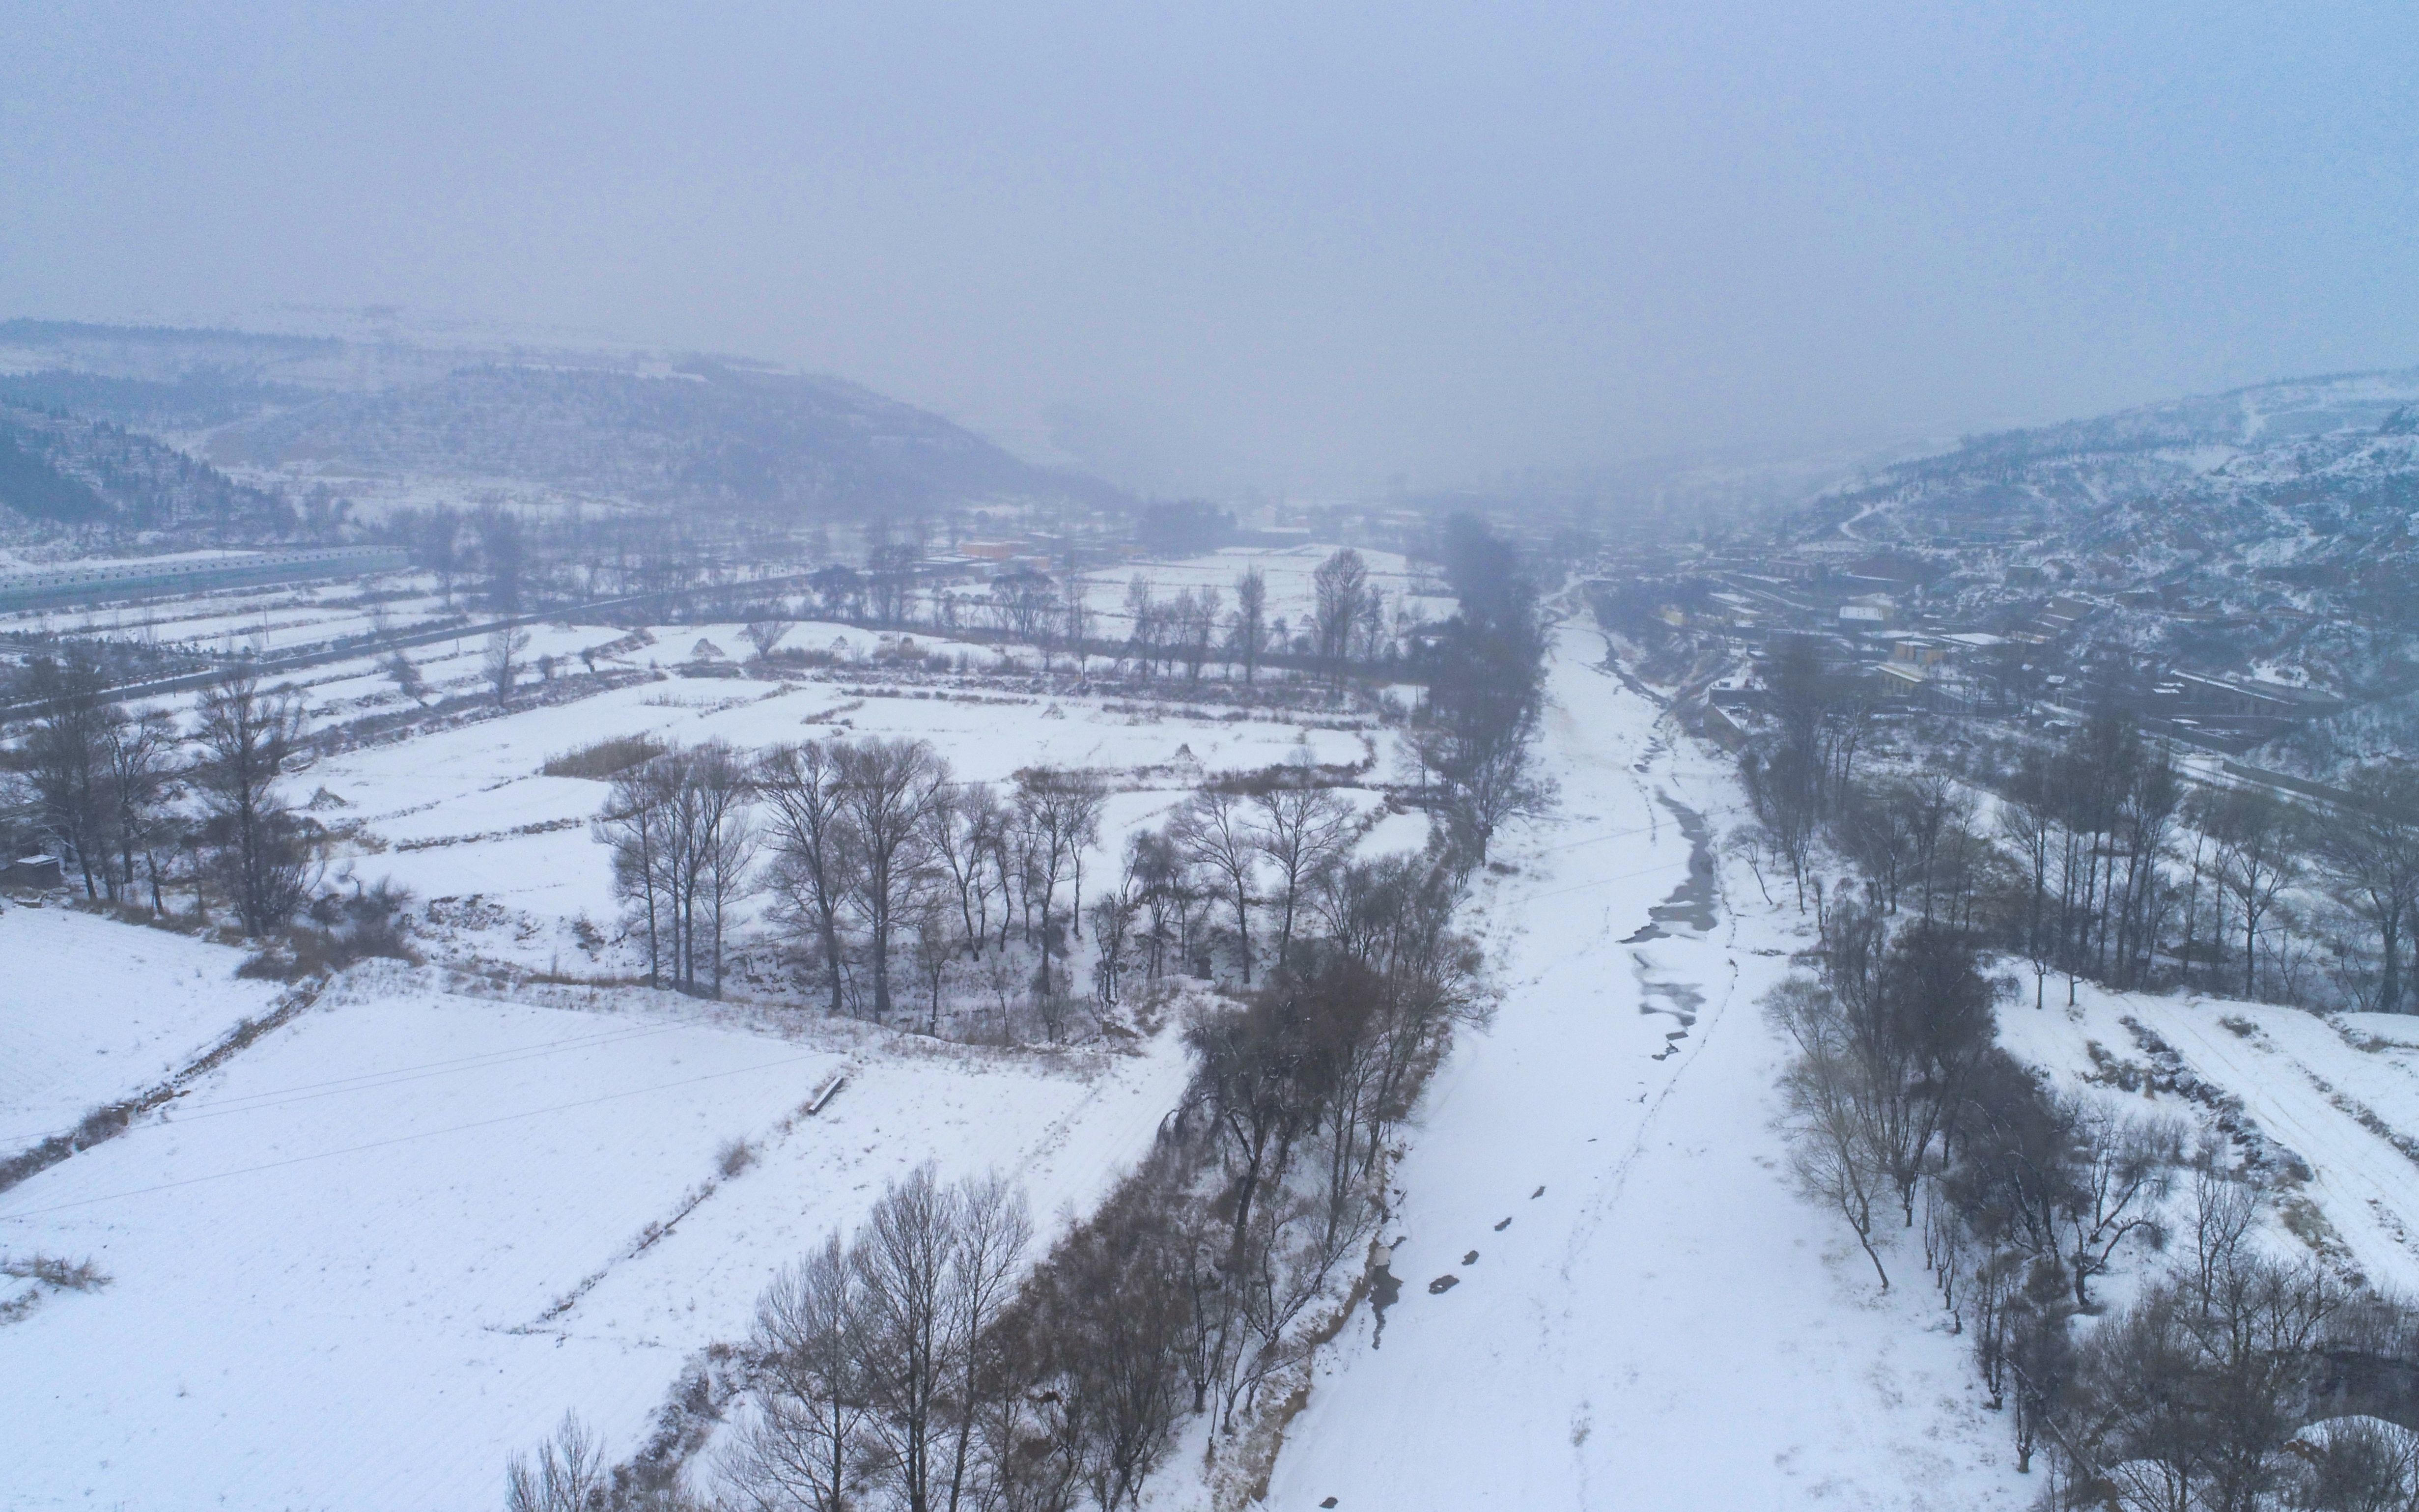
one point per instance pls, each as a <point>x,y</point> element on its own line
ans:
<point>1297,246</point>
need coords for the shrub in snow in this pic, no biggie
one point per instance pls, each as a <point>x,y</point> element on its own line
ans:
<point>735,1156</point>
<point>78,1275</point>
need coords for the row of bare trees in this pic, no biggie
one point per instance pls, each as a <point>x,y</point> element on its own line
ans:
<point>2095,858</point>
<point>682,836</point>
<point>1473,736</point>
<point>871,845</point>
<point>1903,1114</point>
<point>875,860</point>
<point>1182,634</point>
<point>2128,876</point>
<point>929,1362</point>
<point>876,1365</point>
<point>131,803</point>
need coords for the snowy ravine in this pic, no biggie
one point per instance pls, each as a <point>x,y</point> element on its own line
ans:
<point>1662,1323</point>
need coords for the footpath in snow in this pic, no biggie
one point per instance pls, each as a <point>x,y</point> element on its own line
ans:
<point>1642,1313</point>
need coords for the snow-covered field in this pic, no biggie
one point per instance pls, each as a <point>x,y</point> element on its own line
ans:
<point>339,1268</point>
<point>391,1242</point>
<point>2341,1092</point>
<point>92,1010</point>
<point>388,1243</point>
<point>466,812</point>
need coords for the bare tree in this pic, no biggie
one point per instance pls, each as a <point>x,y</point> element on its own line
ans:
<point>404,675</point>
<point>934,1266</point>
<point>140,751</point>
<point>682,833</point>
<point>1250,623</point>
<point>1339,585</point>
<point>886,788</point>
<point>262,848</point>
<point>2369,849</point>
<point>568,1474</point>
<point>1113,919</point>
<point>1485,691</point>
<point>723,842</point>
<point>766,633</point>
<point>1211,831</point>
<point>807,1443</point>
<point>1057,813</point>
<point>816,854</point>
<point>890,579</point>
<point>1248,1080</point>
<point>1145,619</point>
<point>2028,819</point>
<point>1076,608</point>
<point>67,758</point>
<point>994,1230</point>
<point>1831,1149</point>
<point>1303,829</point>
<point>2258,859</point>
<point>636,823</point>
<point>504,552</point>
<point>1197,617</point>
<point>2125,1172</point>
<point>1370,637</point>
<point>964,820</point>
<point>437,548</point>
<point>1098,1332</point>
<point>501,660</point>
<point>1027,606</point>
<point>2222,1212</point>
<point>902,1264</point>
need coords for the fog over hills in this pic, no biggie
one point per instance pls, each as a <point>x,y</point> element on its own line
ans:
<point>611,427</point>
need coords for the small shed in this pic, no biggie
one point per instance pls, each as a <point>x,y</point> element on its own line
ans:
<point>31,874</point>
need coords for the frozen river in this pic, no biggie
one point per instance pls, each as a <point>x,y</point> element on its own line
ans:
<point>1651,1319</point>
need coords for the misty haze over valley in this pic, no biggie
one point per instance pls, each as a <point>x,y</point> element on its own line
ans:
<point>1046,758</point>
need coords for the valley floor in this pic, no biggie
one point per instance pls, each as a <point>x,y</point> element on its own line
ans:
<point>387,1245</point>
<point>1642,1314</point>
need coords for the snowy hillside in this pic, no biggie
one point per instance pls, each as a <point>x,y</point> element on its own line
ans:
<point>385,418</point>
<point>2270,527</point>
<point>65,469</point>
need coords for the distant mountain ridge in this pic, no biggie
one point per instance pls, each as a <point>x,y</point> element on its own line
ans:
<point>627,427</point>
<point>2217,450</point>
